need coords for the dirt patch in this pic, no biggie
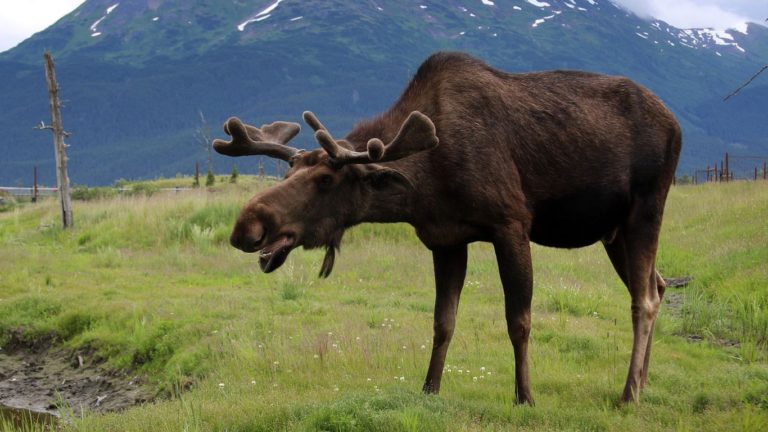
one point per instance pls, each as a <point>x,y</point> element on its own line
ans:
<point>43,378</point>
<point>728,343</point>
<point>674,300</point>
<point>679,282</point>
<point>673,303</point>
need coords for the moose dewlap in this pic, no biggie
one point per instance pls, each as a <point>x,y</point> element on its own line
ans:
<point>471,153</point>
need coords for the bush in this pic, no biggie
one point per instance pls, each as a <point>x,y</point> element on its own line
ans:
<point>84,193</point>
<point>7,202</point>
<point>143,189</point>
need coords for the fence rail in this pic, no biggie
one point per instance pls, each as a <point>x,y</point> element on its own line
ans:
<point>28,191</point>
<point>49,191</point>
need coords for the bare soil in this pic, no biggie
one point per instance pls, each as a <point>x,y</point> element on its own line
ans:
<point>43,379</point>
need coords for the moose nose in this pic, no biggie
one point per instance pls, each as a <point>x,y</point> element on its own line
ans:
<point>247,238</point>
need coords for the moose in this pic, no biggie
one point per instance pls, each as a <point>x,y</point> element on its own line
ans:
<point>470,153</point>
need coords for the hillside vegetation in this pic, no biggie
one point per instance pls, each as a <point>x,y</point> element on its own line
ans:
<point>136,76</point>
<point>150,284</point>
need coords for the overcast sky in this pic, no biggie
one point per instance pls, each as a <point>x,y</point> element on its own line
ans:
<point>19,19</point>
<point>720,14</point>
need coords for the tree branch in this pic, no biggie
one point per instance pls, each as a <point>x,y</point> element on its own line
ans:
<point>746,83</point>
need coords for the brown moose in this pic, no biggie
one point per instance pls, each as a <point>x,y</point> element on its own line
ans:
<point>561,158</point>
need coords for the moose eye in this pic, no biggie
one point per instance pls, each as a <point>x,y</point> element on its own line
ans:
<point>325,181</point>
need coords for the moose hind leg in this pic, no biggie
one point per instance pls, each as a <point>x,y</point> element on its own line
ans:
<point>450,265</point>
<point>513,254</point>
<point>641,242</point>
<point>661,286</point>
<point>618,255</point>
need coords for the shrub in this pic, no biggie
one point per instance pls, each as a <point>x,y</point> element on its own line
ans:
<point>84,193</point>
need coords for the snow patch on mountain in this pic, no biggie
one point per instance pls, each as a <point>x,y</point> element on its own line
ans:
<point>540,21</point>
<point>538,3</point>
<point>261,16</point>
<point>707,38</point>
<point>96,24</point>
<point>742,28</point>
<point>94,27</point>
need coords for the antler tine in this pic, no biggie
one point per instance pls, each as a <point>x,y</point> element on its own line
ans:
<point>338,153</point>
<point>416,134</point>
<point>269,140</point>
<point>311,119</point>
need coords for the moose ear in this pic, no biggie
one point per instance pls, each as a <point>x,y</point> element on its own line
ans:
<point>381,178</point>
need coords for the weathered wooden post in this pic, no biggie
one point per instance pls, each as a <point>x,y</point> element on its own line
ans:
<point>62,177</point>
<point>727,168</point>
<point>765,170</point>
<point>196,181</point>
<point>34,187</point>
<point>261,168</point>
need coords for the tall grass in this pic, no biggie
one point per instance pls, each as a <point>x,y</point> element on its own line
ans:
<point>150,284</point>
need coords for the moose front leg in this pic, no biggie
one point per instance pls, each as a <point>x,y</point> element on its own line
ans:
<point>513,253</point>
<point>450,266</point>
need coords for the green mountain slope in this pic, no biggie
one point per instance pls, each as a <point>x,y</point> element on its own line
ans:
<point>135,74</point>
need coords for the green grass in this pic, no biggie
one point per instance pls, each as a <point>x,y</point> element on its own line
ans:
<point>149,283</point>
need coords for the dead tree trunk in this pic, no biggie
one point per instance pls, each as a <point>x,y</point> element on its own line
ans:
<point>62,178</point>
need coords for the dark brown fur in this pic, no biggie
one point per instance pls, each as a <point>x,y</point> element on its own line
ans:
<point>561,158</point>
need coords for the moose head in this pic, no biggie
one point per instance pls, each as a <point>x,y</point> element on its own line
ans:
<point>325,191</point>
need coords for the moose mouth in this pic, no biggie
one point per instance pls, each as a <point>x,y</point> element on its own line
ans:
<point>272,256</point>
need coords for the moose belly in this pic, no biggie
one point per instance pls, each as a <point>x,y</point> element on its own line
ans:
<point>579,219</point>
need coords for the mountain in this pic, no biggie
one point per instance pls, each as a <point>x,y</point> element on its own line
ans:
<point>135,75</point>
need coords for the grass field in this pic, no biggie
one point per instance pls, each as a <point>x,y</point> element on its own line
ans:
<point>150,284</point>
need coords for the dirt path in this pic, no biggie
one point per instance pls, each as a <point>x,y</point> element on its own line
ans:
<point>44,379</point>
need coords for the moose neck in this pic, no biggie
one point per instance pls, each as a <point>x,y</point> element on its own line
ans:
<point>389,204</point>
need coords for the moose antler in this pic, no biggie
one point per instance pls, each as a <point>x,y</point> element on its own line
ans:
<point>269,140</point>
<point>417,133</point>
